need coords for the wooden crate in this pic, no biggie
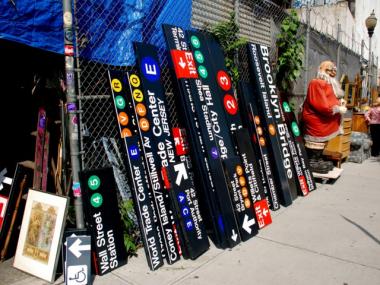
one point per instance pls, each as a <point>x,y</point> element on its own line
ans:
<point>338,148</point>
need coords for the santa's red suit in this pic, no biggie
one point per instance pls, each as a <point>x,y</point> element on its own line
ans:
<point>320,117</point>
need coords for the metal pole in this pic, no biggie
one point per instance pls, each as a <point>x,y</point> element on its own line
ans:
<point>369,71</point>
<point>338,51</point>
<point>375,77</point>
<point>71,104</point>
<point>307,48</point>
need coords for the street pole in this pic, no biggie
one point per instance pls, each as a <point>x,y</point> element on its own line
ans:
<point>370,23</point>
<point>306,80</point>
<point>369,71</point>
<point>338,51</point>
<point>72,111</point>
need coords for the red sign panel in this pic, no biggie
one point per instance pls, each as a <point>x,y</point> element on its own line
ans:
<point>3,207</point>
<point>180,141</point>
<point>184,64</point>
<point>303,185</point>
<point>262,213</point>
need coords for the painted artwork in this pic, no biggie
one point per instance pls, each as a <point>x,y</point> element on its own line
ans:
<point>40,232</point>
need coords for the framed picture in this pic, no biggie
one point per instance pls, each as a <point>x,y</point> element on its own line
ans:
<point>41,234</point>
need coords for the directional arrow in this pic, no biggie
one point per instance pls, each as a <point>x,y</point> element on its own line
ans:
<point>76,247</point>
<point>247,224</point>
<point>265,212</point>
<point>181,169</point>
<point>234,235</point>
<point>182,63</point>
<point>6,180</point>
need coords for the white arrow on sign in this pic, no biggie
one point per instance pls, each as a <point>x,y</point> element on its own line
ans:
<point>76,247</point>
<point>181,169</point>
<point>234,235</point>
<point>247,224</point>
<point>182,63</point>
<point>265,212</point>
<point>6,180</point>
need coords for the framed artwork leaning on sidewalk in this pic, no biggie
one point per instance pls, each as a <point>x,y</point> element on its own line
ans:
<point>41,234</point>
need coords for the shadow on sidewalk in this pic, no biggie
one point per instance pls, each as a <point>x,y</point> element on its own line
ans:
<point>362,229</point>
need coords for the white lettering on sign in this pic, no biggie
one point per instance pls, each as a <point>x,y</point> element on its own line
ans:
<point>152,244</point>
<point>108,256</point>
<point>285,150</point>
<point>153,171</point>
<point>157,131</point>
<point>190,63</point>
<point>139,183</point>
<point>172,248</point>
<point>100,241</point>
<point>150,69</point>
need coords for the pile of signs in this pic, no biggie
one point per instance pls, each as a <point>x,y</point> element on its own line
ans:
<point>234,155</point>
<point>228,161</point>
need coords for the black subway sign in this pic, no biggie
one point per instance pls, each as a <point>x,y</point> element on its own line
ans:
<point>103,219</point>
<point>155,154</point>
<point>205,146</point>
<point>142,197</point>
<point>195,242</point>
<point>286,138</point>
<point>253,121</point>
<point>222,105</point>
<point>298,140</point>
<point>208,52</point>
<point>280,154</point>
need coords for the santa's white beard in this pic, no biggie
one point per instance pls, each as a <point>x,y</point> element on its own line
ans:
<point>339,93</point>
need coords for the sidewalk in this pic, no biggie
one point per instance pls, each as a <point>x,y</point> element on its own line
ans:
<point>332,236</point>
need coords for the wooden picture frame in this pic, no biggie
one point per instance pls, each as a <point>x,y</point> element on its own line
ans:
<point>41,234</point>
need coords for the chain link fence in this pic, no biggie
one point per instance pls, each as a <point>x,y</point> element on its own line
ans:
<point>105,35</point>
<point>118,24</point>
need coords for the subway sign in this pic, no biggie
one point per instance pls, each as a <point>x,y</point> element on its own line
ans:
<point>292,124</point>
<point>206,147</point>
<point>254,122</point>
<point>155,155</point>
<point>224,110</point>
<point>142,197</point>
<point>192,234</point>
<point>276,135</point>
<point>103,219</point>
<point>208,52</point>
<point>278,115</point>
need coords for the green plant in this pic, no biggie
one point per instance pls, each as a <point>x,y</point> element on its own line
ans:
<point>290,53</point>
<point>226,33</point>
<point>130,231</point>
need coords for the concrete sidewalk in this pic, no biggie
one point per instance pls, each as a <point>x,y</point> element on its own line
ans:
<point>332,236</point>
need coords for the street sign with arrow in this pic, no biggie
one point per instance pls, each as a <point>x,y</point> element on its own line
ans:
<point>78,260</point>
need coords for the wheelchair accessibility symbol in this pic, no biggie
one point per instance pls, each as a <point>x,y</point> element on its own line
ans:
<point>77,274</point>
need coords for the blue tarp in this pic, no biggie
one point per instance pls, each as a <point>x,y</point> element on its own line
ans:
<point>106,28</point>
<point>34,23</point>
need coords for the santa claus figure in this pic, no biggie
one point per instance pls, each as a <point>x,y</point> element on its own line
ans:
<point>322,114</point>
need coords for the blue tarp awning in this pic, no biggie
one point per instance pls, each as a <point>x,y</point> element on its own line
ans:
<point>34,23</point>
<point>109,27</point>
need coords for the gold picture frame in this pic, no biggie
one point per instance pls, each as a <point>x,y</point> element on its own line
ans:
<point>41,234</point>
